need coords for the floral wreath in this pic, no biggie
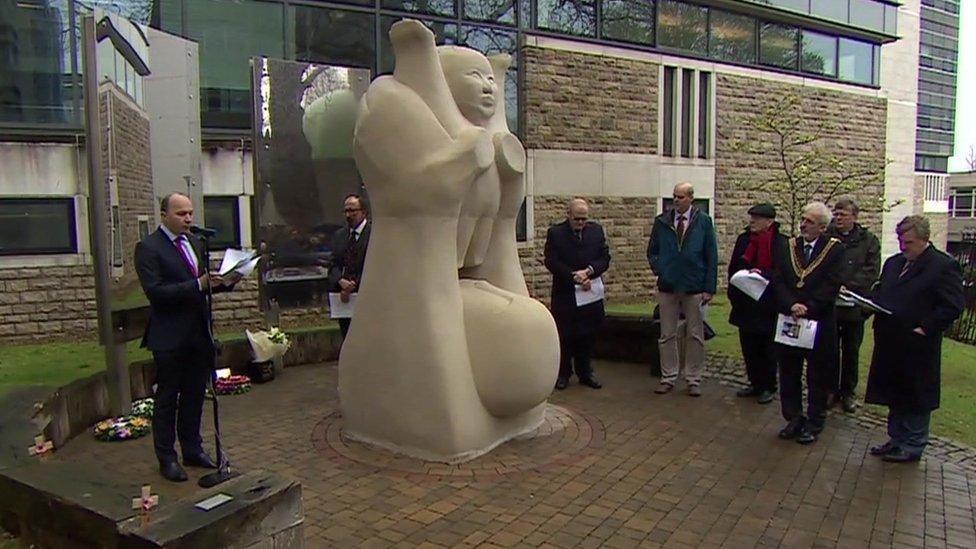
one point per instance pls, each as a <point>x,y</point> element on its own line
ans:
<point>122,428</point>
<point>143,407</point>
<point>232,385</point>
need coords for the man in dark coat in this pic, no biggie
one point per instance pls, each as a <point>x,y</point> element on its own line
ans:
<point>576,254</point>
<point>806,279</point>
<point>922,287</point>
<point>756,320</point>
<point>862,264</point>
<point>349,253</point>
<point>176,279</point>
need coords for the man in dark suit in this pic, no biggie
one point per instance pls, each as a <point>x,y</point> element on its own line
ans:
<point>922,287</point>
<point>576,254</point>
<point>806,279</point>
<point>177,281</point>
<point>349,253</point>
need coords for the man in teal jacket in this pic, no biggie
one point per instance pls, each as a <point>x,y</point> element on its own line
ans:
<point>683,254</point>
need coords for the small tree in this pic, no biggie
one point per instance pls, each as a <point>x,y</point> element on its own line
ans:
<point>971,158</point>
<point>800,167</point>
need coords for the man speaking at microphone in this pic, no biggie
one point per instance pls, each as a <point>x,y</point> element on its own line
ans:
<point>178,282</point>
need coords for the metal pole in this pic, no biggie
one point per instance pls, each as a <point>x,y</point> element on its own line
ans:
<point>120,393</point>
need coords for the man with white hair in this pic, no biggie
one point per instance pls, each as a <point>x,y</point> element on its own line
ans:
<point>806,278</point>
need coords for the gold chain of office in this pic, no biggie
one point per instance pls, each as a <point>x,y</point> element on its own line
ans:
<point>803,273</point>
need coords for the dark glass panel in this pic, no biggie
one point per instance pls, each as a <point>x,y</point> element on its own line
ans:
<point>568,16</point>
<point>333,36</point>
<point>433,7</point>
<point>819,53</point>
<point>778,45</point>
<point>682,27</point>
<point>495,11</point>
<point>629,21</point>
<point>37,226</point>
<point>704,113</point>
<point>855,62</point>
<point>668,117</point>
<point>687,104</point>
<point>732,37</point>
<point>444,33</point>
<point>222,213</point>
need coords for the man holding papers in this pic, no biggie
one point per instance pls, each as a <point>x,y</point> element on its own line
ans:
<point>756,316</point>
<point>576,254</point>
<point>349,253</point>
<point>806,279</point>
<point>922,288</point>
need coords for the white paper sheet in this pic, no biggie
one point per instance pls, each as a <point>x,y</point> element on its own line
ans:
<point>800,332</point>
<point>338,309</point>
<point>213,501</point>
<point>752,284</point>
<point>596,292</point>
<point>242,261</point>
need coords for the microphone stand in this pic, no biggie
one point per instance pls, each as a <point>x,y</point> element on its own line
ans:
<point>223,472</point>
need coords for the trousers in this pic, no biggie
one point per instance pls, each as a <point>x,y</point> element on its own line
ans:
<point>672,306</point>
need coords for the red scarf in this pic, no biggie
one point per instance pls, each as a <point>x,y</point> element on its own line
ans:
<point>759,253</point>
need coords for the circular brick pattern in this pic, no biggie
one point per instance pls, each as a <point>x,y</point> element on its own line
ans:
<point>562,439</point>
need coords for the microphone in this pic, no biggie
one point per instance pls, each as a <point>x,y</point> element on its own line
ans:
<point>205,232</point>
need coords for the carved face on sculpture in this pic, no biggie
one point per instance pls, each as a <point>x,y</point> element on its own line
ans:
<point>472,82</point>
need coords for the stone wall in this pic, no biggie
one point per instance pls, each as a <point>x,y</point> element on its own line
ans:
<point>47,303</point>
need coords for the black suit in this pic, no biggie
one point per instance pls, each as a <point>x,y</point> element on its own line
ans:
<point>179,336</point>
<point>566,252</point>
<point>348,257</point>
<point>817,289</point>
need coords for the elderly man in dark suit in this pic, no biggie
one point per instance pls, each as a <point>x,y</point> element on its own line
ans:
<point>576,254</point>
<point>922,287</point>
<point>177,281</point>
<point>349,253</point>
<point>806,279</point>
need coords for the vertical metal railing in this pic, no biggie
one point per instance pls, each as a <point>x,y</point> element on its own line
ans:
<point>964,329</point>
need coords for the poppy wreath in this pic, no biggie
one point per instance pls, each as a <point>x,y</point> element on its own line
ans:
<point>122,428</point>
<point>232,385</point>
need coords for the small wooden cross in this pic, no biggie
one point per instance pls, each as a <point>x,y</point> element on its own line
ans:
<point>146,501</point>
<point>41,446</point>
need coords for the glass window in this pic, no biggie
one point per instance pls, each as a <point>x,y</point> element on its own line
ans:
<point>732,37</point>
<point>667,118</point>
<point>687,104</point>
<point>223,215</point>
<point>333,36</point>
<point>629,21</point>
<point>802,6</point>
<point>835,10</point>
<point>876,73</point>
<point>495,11</point>
<point>868,14</point>
<point>433,7</point>
<point>444,33</point>
<point>491,41</point>
<point>37,226</point>
<point>230,33</point>
<point>682,27</point>
<point>819,53</point>
<point>35,74</point>
<point>576,17</point>
<point>704,114</point>
<point>778,45</point>
<point>855,62</point>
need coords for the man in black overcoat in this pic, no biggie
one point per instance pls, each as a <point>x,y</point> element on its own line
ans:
<point>922,287</point>
<point>349,253</point>
<point>806,279</point>
<point>176,279</point>
<point>576,254</point>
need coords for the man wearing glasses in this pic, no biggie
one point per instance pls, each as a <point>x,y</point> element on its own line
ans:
<point>576,254</point>
<point>349,253</point>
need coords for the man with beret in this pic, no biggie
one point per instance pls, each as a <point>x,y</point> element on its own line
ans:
<point>756,320</point>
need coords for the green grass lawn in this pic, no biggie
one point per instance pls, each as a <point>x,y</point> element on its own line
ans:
<point>956,419</point>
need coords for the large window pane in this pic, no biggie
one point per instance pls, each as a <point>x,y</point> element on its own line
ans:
<point>819,53</point>
<point>230,33</point>
<point>629,20</point>
<point>855,61</point>
<point>333,36</point>
<point>489,42</point>
<point>868,14</point>
<point>778,45</point>
<point>568,16</point>
<point>37,226</point>
<point>35,72</point>
<point>495,11</point>
<point>434,7</point>
<point>835,10</point>
<point>222,213</point>
<point>732,37</point>
<point>682,27</point>
<point>444,33</point>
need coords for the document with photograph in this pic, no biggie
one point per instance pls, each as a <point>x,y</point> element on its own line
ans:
<point>863,301</point>
<point>596,292</point>
<point>338,309</point>
<point>752,284</point>
<point>796,332</point>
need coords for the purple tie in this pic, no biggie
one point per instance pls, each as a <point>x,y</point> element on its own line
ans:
<point>186,259</point>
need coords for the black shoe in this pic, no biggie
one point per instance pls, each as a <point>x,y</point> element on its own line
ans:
<point>561,383</point>
<point>199,460</point>
<point>792,429</point>
<point>806,437</point>
<point>848,404</point>
<point>900,456</point>
<point>172,471</point>
<point>746,392</point>
<point>591,381</point>
<point>882,449</point>
<point>765,397</point>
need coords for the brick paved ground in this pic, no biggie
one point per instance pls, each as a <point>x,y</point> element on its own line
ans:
<point>619,467</point>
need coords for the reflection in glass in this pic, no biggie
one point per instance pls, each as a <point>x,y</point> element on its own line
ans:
<point>444,33</point>
<point>868,14</point>
<point>433,7</point>
<point>682,27</point>
<point>819,53</point>
<point>495,11</point>
<point>855,61</point>
<point>37,226</point>
<point>333,36</point>
<point>629,20</point>
<point>778,45</point>
<point>491,41</point>
<point>835,10</point>
<point>568,16</point>
<point>732,37</point>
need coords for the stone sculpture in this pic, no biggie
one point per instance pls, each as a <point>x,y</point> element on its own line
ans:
<point>448,356</point>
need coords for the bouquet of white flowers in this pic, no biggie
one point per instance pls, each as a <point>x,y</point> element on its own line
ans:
<point>268,345</point>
